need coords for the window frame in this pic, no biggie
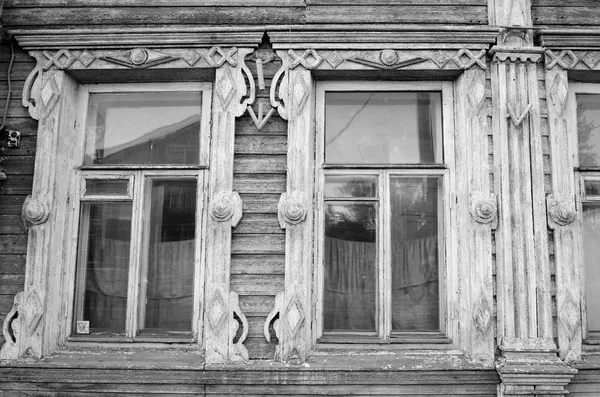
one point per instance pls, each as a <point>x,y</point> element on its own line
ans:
<point>140,177</point>
<point>444,169</point>
<point>582,174</point>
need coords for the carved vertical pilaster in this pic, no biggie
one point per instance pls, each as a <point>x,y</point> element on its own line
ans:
<point>40,307</point>
<point>561,214</point>
<point>477,216</point>
<point>293,305</point>
<point>510,12</point>
<point>225,211</point>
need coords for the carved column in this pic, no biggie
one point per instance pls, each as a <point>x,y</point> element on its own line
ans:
<point>293,98</point>
<point>224,213</point>
<point>31,327</point>
<point>561,213</point>
<point>530,364</point>
<point>477,215</point>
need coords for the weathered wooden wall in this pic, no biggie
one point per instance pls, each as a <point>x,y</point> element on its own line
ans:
<point>579,13</point>
<point>38,13</point>
<point>18,166</point>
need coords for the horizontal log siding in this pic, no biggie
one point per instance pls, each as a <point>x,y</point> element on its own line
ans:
<point>258,242</point>
<point>34,13</point>
<point>578,13</point>
<point>18,165</point>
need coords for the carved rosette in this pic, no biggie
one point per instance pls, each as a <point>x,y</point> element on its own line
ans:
<point>225,207</point>
<point>291,209</point>
<point>34,212</point>
<point>484,209</point>
<point>561,211</point>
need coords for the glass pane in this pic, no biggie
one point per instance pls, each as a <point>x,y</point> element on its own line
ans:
<point>351,186</point>
<point>350,266</point>
<point>103,266</point>
<point>591,249</point>
<point>107,186</point>
<point>383,127</point>
<point>592,189</point>
<point>145,128</point>
<point>415,253</point>
<point>588,129</point>
<point>170,276</point>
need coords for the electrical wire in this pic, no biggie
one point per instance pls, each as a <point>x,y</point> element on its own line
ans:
<point>8,95</point>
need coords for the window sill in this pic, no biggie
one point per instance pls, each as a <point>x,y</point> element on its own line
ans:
<point>408,338</point>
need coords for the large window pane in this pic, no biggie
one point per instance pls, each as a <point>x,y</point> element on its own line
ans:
<point>591,249</point>
<point>415,253</point>
<point>383,127</point>
<point>146,128</point>
<point>170,274</point>
<point>588,129</point>
<point>103,266</point>
<point>350,267</point>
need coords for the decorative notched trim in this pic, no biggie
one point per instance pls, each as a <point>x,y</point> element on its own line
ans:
<point>237,351</point>
<point>225,207</point>
<point>291,209</point>
<point>561,211</point>
<point>568,59</point>
<point>34,212</point>
<point>274,318</point>
<point>517,119</point>
<point>10,329</point>
<point>484,209</point>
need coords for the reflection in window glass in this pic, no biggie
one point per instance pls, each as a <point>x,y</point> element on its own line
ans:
<point>350,186</point>
<point>169,284</point>
<point>591,249</point>
<point>107,186</point>
<point>383,127</point>
<point>415,253</point>
<point>588,129</point>
<point>350,273</point>
<point>103,266</point>
<point>146,128</point>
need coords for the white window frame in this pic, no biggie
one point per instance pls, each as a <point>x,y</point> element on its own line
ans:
<point>447,265</point>
<point>582,175</point>
<point>138,193</point>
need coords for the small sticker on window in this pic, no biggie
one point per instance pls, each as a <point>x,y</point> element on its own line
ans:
<point>83,327</point>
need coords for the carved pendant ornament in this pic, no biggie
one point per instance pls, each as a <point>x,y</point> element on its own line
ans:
<point>35,212</point>
<point>291,209</point>
<point>561,211</point>
<point>225,207</point>
<point>484,209</point>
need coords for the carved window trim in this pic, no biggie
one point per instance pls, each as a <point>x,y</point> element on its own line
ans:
<point>447,264</point>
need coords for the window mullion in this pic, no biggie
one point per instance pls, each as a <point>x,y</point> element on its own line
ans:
<point>384,258</point>
<point>137,253</point>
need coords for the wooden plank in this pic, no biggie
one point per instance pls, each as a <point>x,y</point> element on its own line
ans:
<point>579,16</point>
<point>260,144</point>
<point>259,164</point>
<point>16,165</point>
<point>257,264</point>
<point>259,349</point>
<point>257,285</point>
<point>397,3</point>
<point>254,203</point>
<point>152,3</point>
<point>387,14</point>
<point>11,224</point>
<point>564,3</point>
<point>19,72</point>
<point>251,224</point>
<point>10,284</point>
<point>11,204</point>
<point>26,148</point>
<point>13,244</point>
<point>26,125</point>
<point>17,184</point>
<point>12,264</point>
<point>258,244</point>
<point>261,183</point>
<point>275,126</point>
<point>71,16</point>
<point>257,305</point>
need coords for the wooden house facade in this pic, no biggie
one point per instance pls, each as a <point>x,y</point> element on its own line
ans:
<point>300,197</point>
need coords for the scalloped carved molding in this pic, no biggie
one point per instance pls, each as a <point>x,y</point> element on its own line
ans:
<point>570,59</point>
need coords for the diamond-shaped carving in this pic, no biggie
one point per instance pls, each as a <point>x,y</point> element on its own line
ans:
<point>310,59</point>
<point>216,56</point>
<point>294,317</point>
<point>464,58</point>
<point>62,59</point>
<point>440,59</point>
<point>86,58</point>
<point>335,60</point>
<point>590,60</point>
<point>482,316</point>
<point>568,315</point>
<point>226,88</point>
<point>191,57</point>
<point>216,312</point>
<point>49,94</point>
<point>299,94</point>
<point>476,93</point>
<point>559,92</point>
<point>32,310</point>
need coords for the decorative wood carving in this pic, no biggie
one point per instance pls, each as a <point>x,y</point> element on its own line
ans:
<point>232,97</point>
<point>388,59</point>
<point>482,317</point>
<point>10,330</point>
<point>309,59</point>
<point>279,89</point>
<point>561,207</point>
<point>40,93</point>
<point>35,212</point>
<point>484,209</point>
<point>139,58</point>
<point>273,318</point>
<point>570,59</point>
<point>291,209</point>
<point>523,271</point>
<point>261,120</point>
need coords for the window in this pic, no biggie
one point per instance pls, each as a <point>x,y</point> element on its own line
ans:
<point>587,161</point>
<point>383,172</point>
<point>144,152</point>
